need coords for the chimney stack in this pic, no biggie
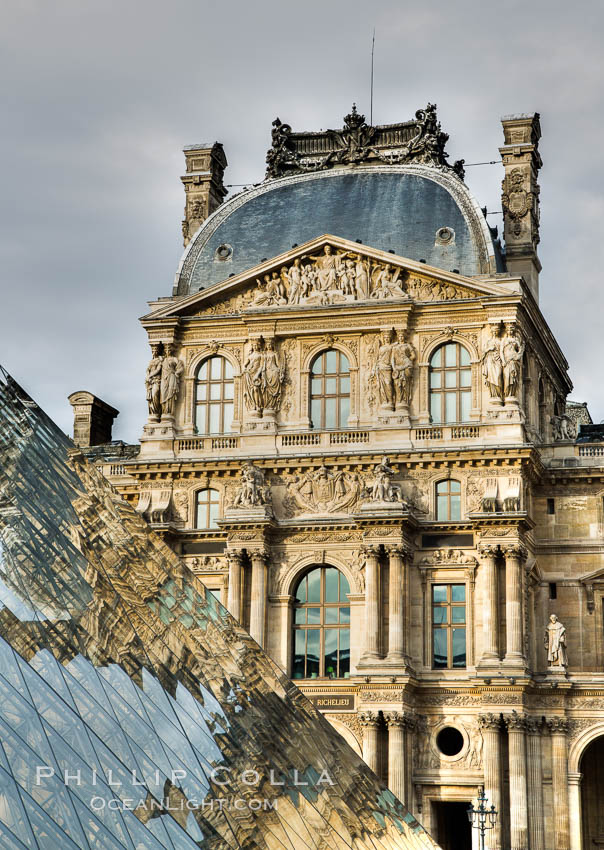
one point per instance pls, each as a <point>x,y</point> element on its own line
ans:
<point>204,189</point>
<point>92,419</point>
<point>520,196</point>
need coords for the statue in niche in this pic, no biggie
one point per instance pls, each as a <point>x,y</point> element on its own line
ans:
<point>382,489</point>
<point>171,371</point>
<point>263,374</point>
<point>253,377</point>
<point>512,349</point>
<point>274,374</point>
<point>385,283</point>
<point>492,366</point>
<point>153,382</point>
<point>403,358</point>
<point>325,491</point>
<point>252,490</point>
<point>382,371</point>
<point>555,643</point>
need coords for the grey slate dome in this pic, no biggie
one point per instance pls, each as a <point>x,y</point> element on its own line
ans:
<point>416,211</point>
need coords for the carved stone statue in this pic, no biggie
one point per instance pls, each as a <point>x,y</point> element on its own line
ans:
<point>385,283</point>
<point>382,489</point>
<point>563,427</point>
<point>253,378</point>
<point>325,491</point>
<point>512,349</point>
<point>269,292</point>
<point>172,369</point>
<point>153,383</point>
<point>492,366</point>
<point>555,643</point>
<point>382,371</point>
<point>403,358</point>
<point>263,376</point>
<point>274,374</point>
<point>252,490</point>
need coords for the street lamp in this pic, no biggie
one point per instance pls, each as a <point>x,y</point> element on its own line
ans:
<point>480,815</point>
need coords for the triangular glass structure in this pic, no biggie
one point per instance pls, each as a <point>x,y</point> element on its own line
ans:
<point>134,711</point>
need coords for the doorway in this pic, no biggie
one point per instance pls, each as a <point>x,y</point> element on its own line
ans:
<point>453,830</point>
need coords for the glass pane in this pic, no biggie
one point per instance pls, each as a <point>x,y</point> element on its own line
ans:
<point>215,392</point>
<point>458,593</point>
<point>455,486</point>
<point>216,368</point>
<point>214,419</point>
<point>228,369</point>
<point>455,508</point>
<point>464,356</point>
<point>330,412</point>
<point>435,380</point>
<point>435,408</point>
<point>331,360</point>
<point>213,515</point>
<point>458,614</point>
<point>439,614</point>
<point>202,392</point>
<point>439,592</point>
<point>314,586</point>
<point>201,419</point>
<point>331,652</point>
<point>299,654</point>
<point>344,588</point>
<point>203,372</point>
<point>316,387</point>
<point>228,388</point>
<point>315,413</point>
<point>344,386</point>
<point>466,403</point>
<point>312,652</point>
<point>344,412</point>
<point>301,591</point>
<point>317,366</point>
<point>227,412</point>
<point>442,508</point>
<point>301,615</point>
<point>450,407</point>
<point>216,592</point>
<point>442,487</point>
<point>436,360</point>
<point>465,378</point>
<point>331,585</point>
<point>439,646</point>
<point>344,367</point>
<point>344,652</point>
<point>314,615</point>
<point>331,615</point>
<point>202,517</point>
<point>450,379</point>
<point>459,647</point>
<point>451,354</point>
<point>331,386</point>
<point>344,615</point>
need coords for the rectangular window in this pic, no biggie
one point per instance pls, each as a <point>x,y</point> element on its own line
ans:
<point>448,626</point>
<point>551,506</point>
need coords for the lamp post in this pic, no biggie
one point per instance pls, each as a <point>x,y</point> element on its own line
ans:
<point>480,815</point>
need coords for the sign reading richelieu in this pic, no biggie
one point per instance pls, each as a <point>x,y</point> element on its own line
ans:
<point>332,702</point>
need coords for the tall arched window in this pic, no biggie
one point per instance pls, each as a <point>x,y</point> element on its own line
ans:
<point>330,390</point>
<point>450,384</point>
<point>448,500</point>
<point>207,504</point>
<point>214,391</point>
<point>322,625</point>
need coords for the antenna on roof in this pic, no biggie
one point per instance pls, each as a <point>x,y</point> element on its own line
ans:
<point>371,99</point>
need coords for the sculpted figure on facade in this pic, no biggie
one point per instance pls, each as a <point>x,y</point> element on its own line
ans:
<point>555,642</point>
<point>382,371</point>
<point>252,491</point>
<point>153,382</point>
<point>263,377</point>
<point>382,488</point>
<point>268,293</point>
<point>492,366</point>
<point>171,371</point>
<point>325,491</point>
<point>512,349</point>
<point>403,358</point>
<point>386,283</point>
<point>564,427</point>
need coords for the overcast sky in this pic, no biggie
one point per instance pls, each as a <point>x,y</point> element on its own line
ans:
<point>98,99</point>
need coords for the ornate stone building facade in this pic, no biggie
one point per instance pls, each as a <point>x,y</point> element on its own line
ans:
<point>359,438</point>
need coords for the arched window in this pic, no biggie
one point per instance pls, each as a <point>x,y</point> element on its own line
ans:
<point>322,625</point>
<point>207,503</point>
<point>448,500</point>
<point>450,384</point>
<point>330,390</point>
<point>214,390</point>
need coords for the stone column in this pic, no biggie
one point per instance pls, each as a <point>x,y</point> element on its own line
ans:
<point>372,605</point>
<point>370,721</point>
<point>516,725</point>
<point>513,604</point>
<point>396,605</point>
<point>490,724</point>
<point>258,596</point>
<point>234,596</point>
<point>558,727</point>
<point>395,720</point>
<point>535,784</point>
<point>490,618</point>
<point>574,808</point>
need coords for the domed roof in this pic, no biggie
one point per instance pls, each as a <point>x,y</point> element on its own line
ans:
<point>416,211</point>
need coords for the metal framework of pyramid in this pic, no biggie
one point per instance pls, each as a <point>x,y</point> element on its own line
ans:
<point>134,711</point>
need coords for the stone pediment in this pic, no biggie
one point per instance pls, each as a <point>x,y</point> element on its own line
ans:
<point>330,271</point>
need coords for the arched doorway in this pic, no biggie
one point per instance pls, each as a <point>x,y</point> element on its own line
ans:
<point>592,792</point>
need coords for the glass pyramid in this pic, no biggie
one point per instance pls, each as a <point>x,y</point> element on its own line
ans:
<point>134,711</point>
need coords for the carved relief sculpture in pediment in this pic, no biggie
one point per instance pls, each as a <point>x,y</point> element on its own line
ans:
<point>325,491</point>
<point>452,557</point>
<point>263,377</point>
